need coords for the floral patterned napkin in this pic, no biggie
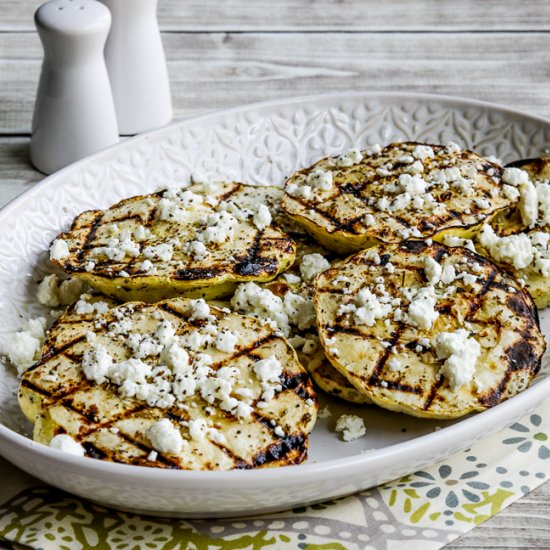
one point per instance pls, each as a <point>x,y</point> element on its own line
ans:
<point>425,510</point>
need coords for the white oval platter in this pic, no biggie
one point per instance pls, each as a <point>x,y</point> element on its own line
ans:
<point>262,144</point>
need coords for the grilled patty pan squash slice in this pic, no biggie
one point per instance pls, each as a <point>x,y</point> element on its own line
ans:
<point>106,379</point>
<point>428,330</point>
<point>529,237</point>
<point>329,379</point>
<point>196,241</point>
<point>393,193</point>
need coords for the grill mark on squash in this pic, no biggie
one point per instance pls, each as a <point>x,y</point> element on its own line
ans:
<point>383,358</point>
<point>405,388</point>
<point>196,273</point>
<point>477,299</point>
<point>436,386</point>
<point>162,458</point>
<point>536,165</point>
<point>123,415</point>
<point>238,462</point>
<point>253,263</point>
<point>86,245</point>
<point>338,225</point>
<point>128,216</point>
<point>285,448</point>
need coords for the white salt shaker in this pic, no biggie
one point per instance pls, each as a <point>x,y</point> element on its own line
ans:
<point>74,114</point>
<point>137,66</point>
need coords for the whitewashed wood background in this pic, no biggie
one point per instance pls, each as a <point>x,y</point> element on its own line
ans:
<point>229,52</point>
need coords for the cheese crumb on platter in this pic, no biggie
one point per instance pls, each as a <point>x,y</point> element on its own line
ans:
<point>351,427</point>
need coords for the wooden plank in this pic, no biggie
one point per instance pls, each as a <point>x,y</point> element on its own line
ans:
<point>217,70</point>
<point>344,15</point>
<point>17,174</point>
<point>524,524</point>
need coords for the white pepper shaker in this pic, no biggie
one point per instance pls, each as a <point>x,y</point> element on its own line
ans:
<point>74,113</point>
<point>137,66</point>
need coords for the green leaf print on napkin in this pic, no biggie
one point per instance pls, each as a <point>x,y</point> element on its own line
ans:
<point>48,518</point>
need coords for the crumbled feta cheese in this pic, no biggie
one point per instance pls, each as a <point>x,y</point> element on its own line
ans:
<point>197,429</point>
<point>451,240</point>
<point>59,250</point>
<point>460,353</point>
<point>171,211</point>
<point>312,264</point>
<point>370,308</point>
<point>52,292</point>
<point>369,220</point>
<point>452,148</point>
<point>220,228</point>
<point>382,204</point>
<point>494,160</point>
<point>448,274</point>
<point>414,185</point>
<point>351,427</point>
<point>82,307</point>
<point>482,203</point>
<point>324,412</point>
<point>292,279</point>
<point>162,252</point>
<point>394,364</point>
<point>422,152</point>
<point>400,202</point>
<point>405,159</point>
<point>432,270</point>
<point>422,311</point>
<point>354,156</point>
<point>375,149</point>
<point>299,191</point>
<point>320,179</point>
<point>147,266</point>
<point>196,249</point>
<point>278,431</point>
<point>24,347</point>
<point>226,341</point>
<point>269,369</point>
<point>142,233</point>
<point>143,345</point>
<point>96,364</point>
<point>165,333</point>
<point>252,299</point>
<point>262,217</point>
<point>65,443</point>
<point>299,310</point>
<point>515,176</point>
<point>416,167</point>
<point>48,291</point>
<point>528,204</point>
<point>165,437</point>
<point>199,309</point>
<point>469,279</point>
<point>515,250</point>
<point>510,192</point>
<point>543,193</point>
<point>176,357</point>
